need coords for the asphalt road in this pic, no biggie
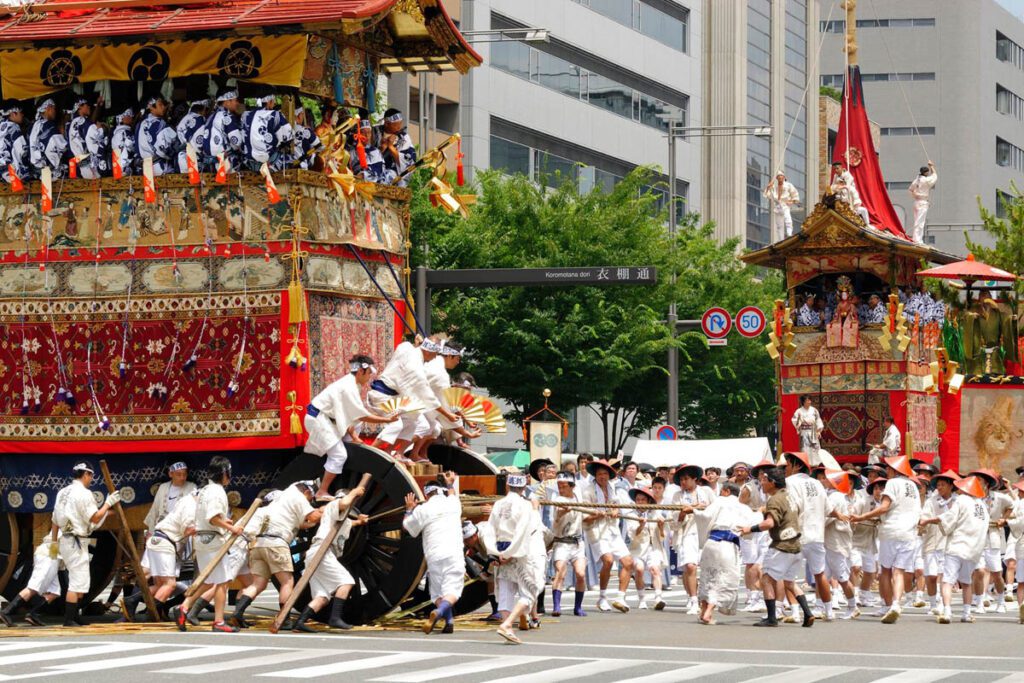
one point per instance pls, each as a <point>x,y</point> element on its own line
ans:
<point>651,647</point>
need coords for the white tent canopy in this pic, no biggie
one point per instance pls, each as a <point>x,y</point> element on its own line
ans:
<point>706,453</point>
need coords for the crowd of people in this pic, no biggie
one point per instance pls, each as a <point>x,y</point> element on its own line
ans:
<point>818,308</point>
<point>207,135</point>
<point>767,530</point>
<point>771,528</point>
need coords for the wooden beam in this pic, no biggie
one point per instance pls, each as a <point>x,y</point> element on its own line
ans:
<point>133,552</point>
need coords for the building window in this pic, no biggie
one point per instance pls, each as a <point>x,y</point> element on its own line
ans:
<point>1009,155</point>
<point>561,75</point>
<point>836,80</point>
<point>667,27</point>
<point>908,130</point>
<point>1008,103</point>
<point>839,26</point>
<point>552,169</point>
<point>1008,51</point>
<point>1001,198</point>
<point>510,157</point>
<point>897,185</point>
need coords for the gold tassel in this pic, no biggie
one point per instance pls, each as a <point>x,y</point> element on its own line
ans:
<point>297,312</point>
<point>294,422</point>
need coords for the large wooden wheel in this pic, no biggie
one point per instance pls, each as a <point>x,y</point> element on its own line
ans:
<point>385,561</point>
<point>17,557</point>
<point>467,463</point>
<point>10,549</point>
<point>460,460</point>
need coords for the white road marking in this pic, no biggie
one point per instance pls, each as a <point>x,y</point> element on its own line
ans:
<point>918,676</point>
<point>392,659</point>
<point>278,657</point>
<point>137,660</point>
<point>804,674</point>
<point>461,669</point>
<point>71,653</point>
<point>566,673</point>
<point>689,673</point>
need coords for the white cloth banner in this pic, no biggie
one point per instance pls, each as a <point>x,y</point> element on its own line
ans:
<point>546,441</point>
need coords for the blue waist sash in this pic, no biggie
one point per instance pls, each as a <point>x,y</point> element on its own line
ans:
<point>724,535</point>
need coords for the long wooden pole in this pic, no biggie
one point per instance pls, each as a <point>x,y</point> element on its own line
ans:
<point>208,569</point>
<point>311,566</point>
<point>129,543</point>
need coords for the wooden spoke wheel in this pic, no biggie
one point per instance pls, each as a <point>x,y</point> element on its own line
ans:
<point>385,561</point>
<point>12,554</point>
<point>460,460</point>
<point>16,532</point>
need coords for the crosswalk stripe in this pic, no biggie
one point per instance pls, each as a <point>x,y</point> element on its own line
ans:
<point>137,660</point>
<point>917,676</point>
<point>689,673</point>
<point>245,662</point>
<point>27,644</point>
<point>461,669</point>
<point>70,653</point>
<point>393,659</point>
<point>804,674</point>
<point>1011,678</point>
<point>575,671</point>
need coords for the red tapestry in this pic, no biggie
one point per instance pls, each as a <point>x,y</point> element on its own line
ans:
<point>852,421</point>
<point>231,389</point>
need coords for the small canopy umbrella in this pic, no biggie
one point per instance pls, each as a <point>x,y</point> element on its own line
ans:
<point>969,270</point>
<point>519,458</point>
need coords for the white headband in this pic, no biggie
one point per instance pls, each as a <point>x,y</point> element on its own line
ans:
<point>229,95</point>
<point>432,488</point>
<point>82,467</point>
<point>356,367</point>
<point>394,118</point>
<point>516,481</point>
<point>468,529</point>
<point>430,346</point>
<point>177,467</point>
<point>449,351</point>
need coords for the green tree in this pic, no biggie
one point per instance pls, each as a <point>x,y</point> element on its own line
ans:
<point>599,347</point>
<point>1007,233</point>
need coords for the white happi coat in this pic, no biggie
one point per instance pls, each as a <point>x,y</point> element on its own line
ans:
<point>933,540</point>
<point>701,495</point>
<point>839,534</point>
<point>719,578</point>
<point>284,516</point>
<point>516,524</point>
<point>439,520</point>
<point>807,497</point>
<point>340,405</point>
<point>165,500</point>
<point>406,374</point>
<point>438,380</point>
<point>965,525</point>
<point>808,424</point>
<point>330,575</point>
<point>605,527</point>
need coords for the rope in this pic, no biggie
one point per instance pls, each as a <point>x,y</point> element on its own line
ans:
<point>903,92</point>
<point>405,297</point>
<point>803,97</point>
<point>380,289</point>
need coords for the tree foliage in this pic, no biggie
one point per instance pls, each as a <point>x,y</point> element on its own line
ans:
<point>1008,236</point>
<point>600,347</point>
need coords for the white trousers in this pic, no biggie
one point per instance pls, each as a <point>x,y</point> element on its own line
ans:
<point>782,221</point>
<point>920,215</point>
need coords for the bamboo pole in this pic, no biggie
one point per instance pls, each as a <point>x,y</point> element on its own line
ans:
<point>129,544</point>
<point>311,566</point>
<point>208,569</point>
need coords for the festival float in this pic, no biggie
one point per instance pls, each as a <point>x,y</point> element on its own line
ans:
<point>950,381</point>
<point>196,315</point>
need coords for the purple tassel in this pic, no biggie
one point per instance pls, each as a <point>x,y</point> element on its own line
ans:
<point>24,407</point>
<point>61,395</point>
<point>38,406</point>
<point>232,388</point>
<point>190,363</point>
<point>122,369</point>
<point>70,399</point>
<point>294,362</point>
<point>105,424</point>
<point>304,365</point>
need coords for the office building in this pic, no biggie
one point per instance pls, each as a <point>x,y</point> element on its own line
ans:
<point>943,80</point>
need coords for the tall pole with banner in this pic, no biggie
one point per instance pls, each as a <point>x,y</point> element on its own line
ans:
<point>544,435</point>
